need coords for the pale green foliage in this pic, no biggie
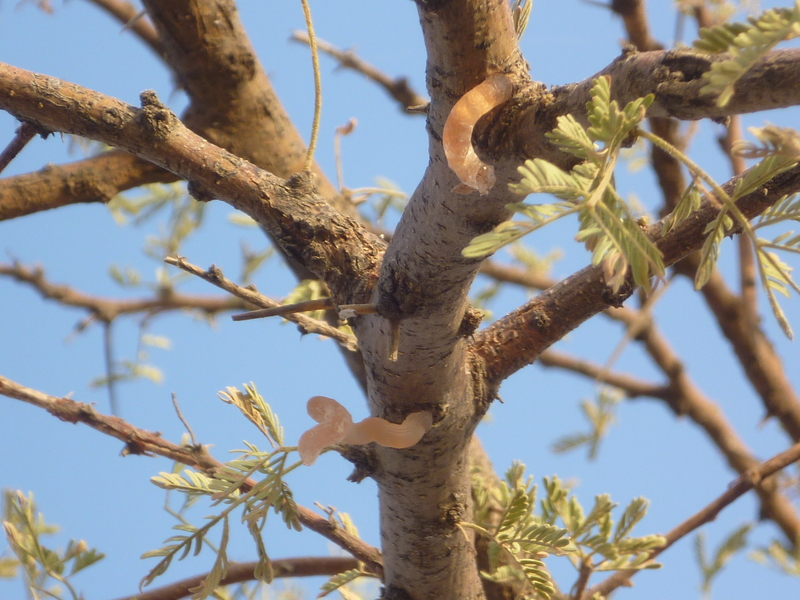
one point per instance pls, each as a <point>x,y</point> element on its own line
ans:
<point>312,289</point>
<point>45,570</point>
<point>601,414</point>
<point>607,225</point>
<point>185,215</point>
<point>709,569</point>
<point>520,538</point>
<point>129,370</point>
<point>783,557</point>
<point>338,581</point>
<point>531,260</point>
<point>308,289</point>
<point>252,261</point>
<point>521,12</point>
<point>225,487</point>
<point>781,144</point>
<point>746,44</point>
<point>780,148</point>
<point>719,10</point>
<point>257,411</point>
<point>241,220</point>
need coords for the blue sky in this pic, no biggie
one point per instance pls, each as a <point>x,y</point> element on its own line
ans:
<point>80,481</point>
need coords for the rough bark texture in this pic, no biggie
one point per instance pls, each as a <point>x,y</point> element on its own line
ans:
<point>420,351</point>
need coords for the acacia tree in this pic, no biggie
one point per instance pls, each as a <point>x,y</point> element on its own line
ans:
<point>414,342</point>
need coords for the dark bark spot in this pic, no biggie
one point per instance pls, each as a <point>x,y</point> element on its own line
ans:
<point>624,8</point>
<point>453,514</point>
<point>688,65</point>
<point>199,192</point>
<point>392,592</point>
<point>470,321</point>
<point>617,299</point>
<point>364,461</point>
<point>156,118</point>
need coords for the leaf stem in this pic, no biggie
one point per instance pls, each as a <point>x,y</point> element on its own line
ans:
<point>312,43</point>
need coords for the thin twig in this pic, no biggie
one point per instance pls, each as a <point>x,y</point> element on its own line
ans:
<point>746,482</point>
<point>107,309</point>
<point>182,418</point>
<point>312,43</point>
<point>346,311</point>
<point>399,89</point>
<point>748,276</point>
<point>108,356</point>
<point>24,134</point>
<point>682,395</point>
<point>214,276</point>
<point>341,131</point>
<point>143,442</point>
<point>632,386</point>
<point>307,566</point>
<point>286,309</point>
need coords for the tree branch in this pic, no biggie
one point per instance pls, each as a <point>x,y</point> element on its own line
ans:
<point>746,482</point>
<point>108,309</point>
<point>760,363</point>
<point>341,251</point>
<point>674,77</point>
<point>398,88</point>
<point>24,134</point>
<point>241,572</point>
<point>517,339</point>
<point>634,16</point>
<point>309,325</point>
<point>633,387</point>
<point>233,104</point>
<point>96,179</point>
<point>141,441</point>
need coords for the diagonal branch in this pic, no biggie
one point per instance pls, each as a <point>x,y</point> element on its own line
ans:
<point>96,179</point>
<point>760,362</point>
<point>108,309</point>
<point>310,325</point>
<point>24,134</point>
<point>675,78</point>
<point>232,102</point>
<point>746,482</point>
<point>397,88</point>
<point>143,442</point>
<point>290,210</point>
<point>518,338</point>
<point>633,387</point>
<point>241,572</point>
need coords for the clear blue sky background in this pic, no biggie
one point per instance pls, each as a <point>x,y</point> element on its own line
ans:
<point>80,481</point>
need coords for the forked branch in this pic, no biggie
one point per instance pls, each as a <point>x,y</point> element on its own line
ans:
<point>143,442</point>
